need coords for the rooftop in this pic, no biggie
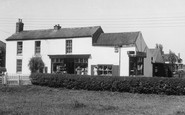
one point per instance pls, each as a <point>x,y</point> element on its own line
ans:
<point>112,39</point>
<point>52,33</point>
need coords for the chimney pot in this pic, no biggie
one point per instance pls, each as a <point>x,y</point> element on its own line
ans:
<point>19,26</point>
<point>57,27</point>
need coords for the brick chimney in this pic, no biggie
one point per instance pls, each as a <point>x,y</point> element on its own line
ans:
<point>57,27</point>
<point>19,26</point>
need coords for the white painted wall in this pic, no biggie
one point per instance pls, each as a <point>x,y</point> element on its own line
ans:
<point>48,47</point>
<point>107,55</point>
<point>11,51</point>
<point>125,60</point>
<point>99,55</point>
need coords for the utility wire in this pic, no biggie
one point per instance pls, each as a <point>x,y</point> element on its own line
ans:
<point>5,31</point>
<point>159,22</point>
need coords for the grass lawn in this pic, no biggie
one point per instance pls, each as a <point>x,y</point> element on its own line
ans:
<point>34,100</point>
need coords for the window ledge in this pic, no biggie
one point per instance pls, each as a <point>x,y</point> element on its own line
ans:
<point>19,54</point>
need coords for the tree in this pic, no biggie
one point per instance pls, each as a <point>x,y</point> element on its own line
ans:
<point>160,47</point>
<point>172,59</point>
<point>36,65</point>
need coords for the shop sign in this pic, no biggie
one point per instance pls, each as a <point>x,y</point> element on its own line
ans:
<point>141,54</point>
<point>136,54</point>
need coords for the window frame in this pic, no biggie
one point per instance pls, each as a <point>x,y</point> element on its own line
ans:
<point>104,69</point>
<point>19,48</point>
<point>136,66</point>
<point>37,48</point>
<point>19,67</point>
<point>69,46</point>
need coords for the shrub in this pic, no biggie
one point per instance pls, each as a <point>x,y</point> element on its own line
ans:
<point>146,85</point>
<point>36,65</point>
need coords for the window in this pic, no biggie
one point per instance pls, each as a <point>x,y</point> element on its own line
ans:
<point>104,70</point>
<point>136,66</point>
<point>81,66</point>
<point>37,47</point>
<point>68,46</point>
<point>19,48</point>
<point>19,65</point>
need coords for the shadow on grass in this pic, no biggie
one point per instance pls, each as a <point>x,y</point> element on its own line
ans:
<point>179,113</point>
<point>108,107</point>
<point>10,112</point>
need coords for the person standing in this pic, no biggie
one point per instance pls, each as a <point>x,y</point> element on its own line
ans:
<point>95,70</point>
<point>78,70</point>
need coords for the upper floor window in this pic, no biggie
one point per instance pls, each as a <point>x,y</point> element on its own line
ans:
<point>19,48</point>
<point>37,47</point>
<point>68,46</point>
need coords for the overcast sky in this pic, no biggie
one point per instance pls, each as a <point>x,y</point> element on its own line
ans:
<point>160,21</point>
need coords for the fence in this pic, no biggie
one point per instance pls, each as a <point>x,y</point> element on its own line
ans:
<point>11,79</point>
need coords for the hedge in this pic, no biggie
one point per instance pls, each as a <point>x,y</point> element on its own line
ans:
<point>146,85</point>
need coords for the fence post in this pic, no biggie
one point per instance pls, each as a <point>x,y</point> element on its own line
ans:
<point>5,79</point>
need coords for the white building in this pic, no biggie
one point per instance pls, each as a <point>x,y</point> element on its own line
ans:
<point>72,49</point>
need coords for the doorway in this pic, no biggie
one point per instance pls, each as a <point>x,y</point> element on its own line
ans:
<point>70,65</point>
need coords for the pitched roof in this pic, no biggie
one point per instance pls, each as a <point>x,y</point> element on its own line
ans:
<point>52,33</point>
<point>2,44</point>
<point>157,56</point>
<point>112,39</point>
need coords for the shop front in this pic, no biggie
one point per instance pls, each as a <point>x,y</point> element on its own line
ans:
<point>136,63</point>
<point>69,64</point>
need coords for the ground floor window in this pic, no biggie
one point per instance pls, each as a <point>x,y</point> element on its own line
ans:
<point>70,65</point>
<point>81,66</point>
<point>103,70</point>
<point>136,65</point>
<point>19,65</point>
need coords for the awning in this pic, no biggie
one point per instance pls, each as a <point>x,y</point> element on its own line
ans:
<point>70,56</point>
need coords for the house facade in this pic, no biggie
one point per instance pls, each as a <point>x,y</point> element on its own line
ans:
<point>83,50</point>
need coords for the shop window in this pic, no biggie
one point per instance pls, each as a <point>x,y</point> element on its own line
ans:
<point>19,65</point>
<point>104,70</point>
<point>136,66</point>
<point>68,46</point>
<point>37,47</point>
<point>70,65</point>
<point>81,66</point>
<point>19,48</point>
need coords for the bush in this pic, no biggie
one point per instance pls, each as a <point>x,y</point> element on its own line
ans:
<point>36,65</point>
<point>146,85</point>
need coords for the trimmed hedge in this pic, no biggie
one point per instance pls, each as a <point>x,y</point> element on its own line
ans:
<point>146,85</point>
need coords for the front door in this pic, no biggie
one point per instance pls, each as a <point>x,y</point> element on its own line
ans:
<point>70,65</point>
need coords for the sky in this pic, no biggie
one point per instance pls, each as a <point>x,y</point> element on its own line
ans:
<point>160,21</point>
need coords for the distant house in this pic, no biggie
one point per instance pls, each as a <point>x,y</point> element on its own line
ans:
<point>175,66</point>
<point>158,63</point>
<point>82,50</point>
